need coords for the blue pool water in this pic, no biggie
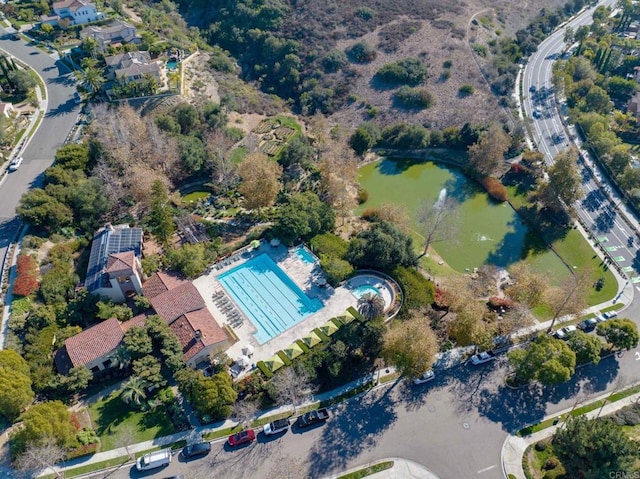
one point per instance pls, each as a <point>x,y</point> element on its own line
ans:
<point>363,289</point>
<point>267,296</point>
<point>172,64</point>
<point>305,255</point>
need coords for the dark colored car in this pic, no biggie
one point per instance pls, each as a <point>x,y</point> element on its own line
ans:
<point>242,437</point>
<point>197,449</point>
<point>588,324</point>
<point>313,417</point>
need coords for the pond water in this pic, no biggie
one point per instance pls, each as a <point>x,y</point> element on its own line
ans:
<point>488,233</point>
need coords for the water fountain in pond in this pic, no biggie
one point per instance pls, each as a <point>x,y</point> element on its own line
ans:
<point>441,198</point>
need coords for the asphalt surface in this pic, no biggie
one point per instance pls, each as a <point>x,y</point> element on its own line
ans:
<point>598,209</point>
<point>62,113</point>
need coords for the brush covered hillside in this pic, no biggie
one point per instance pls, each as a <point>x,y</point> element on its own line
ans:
<point>349,59</point>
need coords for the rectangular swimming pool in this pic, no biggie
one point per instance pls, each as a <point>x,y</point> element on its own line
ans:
<point>267,296</point>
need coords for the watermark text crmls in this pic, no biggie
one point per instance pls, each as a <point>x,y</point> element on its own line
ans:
<point>624,475</point>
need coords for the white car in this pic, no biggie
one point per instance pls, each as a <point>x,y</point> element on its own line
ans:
<point>563,333</point>
<point>482,358</point>
<point>15,163</point>
<point>276,427</point>
<point>425,378</point>
<point>610,314</point>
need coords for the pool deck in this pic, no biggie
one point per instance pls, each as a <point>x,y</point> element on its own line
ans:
<point>304,275</point>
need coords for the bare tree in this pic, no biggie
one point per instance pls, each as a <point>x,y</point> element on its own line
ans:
<point>518,317</point>
<point>126,437</point>
<point>260,180</point>
<point>224,171</point>
<point>486,156</point>
<point>438,220</point>
<point>411,346</point>
<point>292,387</point>
<point>245,412</point>
<point>338,171</point>
<point>527,287</point>
<point>568,299</point>
<point>40,456</point>
<point>396,214</point>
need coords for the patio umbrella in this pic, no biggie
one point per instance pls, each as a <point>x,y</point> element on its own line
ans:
<point>255,244</point>
<point>275,242</point>
<point>243,361</point>
<point>274,363</point>
<point>329,328</point>
<point>346,317</point>
<point>311,339</point>
<point>293,351</point>
<point>247,350</point>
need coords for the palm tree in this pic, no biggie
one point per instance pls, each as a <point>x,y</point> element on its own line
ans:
<point>121,358</point>
<point>134,391</point>
<point>371,306</point>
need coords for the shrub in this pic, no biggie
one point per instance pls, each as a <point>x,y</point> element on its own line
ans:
<point>407,71</point>
<point>447,64</point>
<point>363,195</point>
<point>465,90</point>
<point>495,188</point>
<point>361,52</point>
<point>408,97</point>
<point>365,13</point>
<point>541,445</point>
<point>365,136</point>
<point>303,346</point>
<point>419,292</point>
<point>264,369</point>
<point>336,269</point>
<point>284,357</point>
<point>334,61</point>
<point>370,214</point>
<point>551,463</point>
<point>26,276</point>
<point>373,111</point>
<point>404,135</point>
<point>329,244</point>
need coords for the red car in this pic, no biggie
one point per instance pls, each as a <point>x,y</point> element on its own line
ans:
<point>242,437</point>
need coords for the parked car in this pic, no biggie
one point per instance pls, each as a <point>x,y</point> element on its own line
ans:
<point>610,314</point>
<point>276,427</point>
<point>425,378</point>
<point>588,324</point>
<point>600,318</point>
<point>153,460</point>
<point>537,112</point>
<point>197,449</point>
<point>242,437</point>
<point>483,357</point>
<point>15,163</point>
<point>313,417</point>
<point>563,333</point>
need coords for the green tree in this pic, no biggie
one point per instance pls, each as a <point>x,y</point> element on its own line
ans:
<point>108,309</point>
<point>438,221</point>
<point>407,71</point>
<point>418,291</point>
<point>619,333</point>
<point>73,156</point>
<point>78,379</point>
<point>21,81</point>
<point>192,153</point>
<point>11,360</point>
<point>597,100</point>
<point>137,342</point>
<point>15,391</point>
<point>383,246</point>
<point>365,137</point>
<point>161,214</point>
<point>187,117</point>
<point>297,151</point>
<point>563,187</point>
<point>411,346</point>
<point>586,347</point>
<point>43,421</point>
<point>43,211</point>
<point>371,306</point>
<point>303,216</point>
<point>134,391</point>
<point>191,259</point>
<point>214,396</point>
<point>592,448</point>
<point>149,370</point>
<point>547,360</point>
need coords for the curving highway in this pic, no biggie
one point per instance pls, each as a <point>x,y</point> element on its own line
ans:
<point>600,208</point>
<point>61,115</point>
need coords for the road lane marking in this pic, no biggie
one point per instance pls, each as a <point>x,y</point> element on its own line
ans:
<point>494,466</point>
<point>637,356</point>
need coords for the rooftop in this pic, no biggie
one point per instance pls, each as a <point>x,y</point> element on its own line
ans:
<point>175,302</point>
<point>94,343</point>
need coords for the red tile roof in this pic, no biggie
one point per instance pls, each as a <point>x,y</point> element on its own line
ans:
<point>159,283</point>
<point>95,342</point>
<point>185,328</point>
<point>135,321</point>
<point>171,304</point>
<point>120,262</point>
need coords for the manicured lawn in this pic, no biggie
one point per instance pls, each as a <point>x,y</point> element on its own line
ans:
<point>111,415</point>
<point>195,196</point>
<point>368,471</point>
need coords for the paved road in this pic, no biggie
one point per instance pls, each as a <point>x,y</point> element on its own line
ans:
<point>598,209</point>
<point>62,113</point>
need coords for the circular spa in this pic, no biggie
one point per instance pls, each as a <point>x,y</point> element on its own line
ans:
<point>371,283</point>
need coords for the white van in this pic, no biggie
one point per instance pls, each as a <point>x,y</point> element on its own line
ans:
<point>154,460</point>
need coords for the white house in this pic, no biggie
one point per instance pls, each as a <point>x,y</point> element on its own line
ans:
<point>77,12</point>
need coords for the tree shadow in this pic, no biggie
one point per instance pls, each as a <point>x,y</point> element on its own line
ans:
<point>62,79</point>
<point>358,427</point>
<point>593,200</point>
<point>62,109</point>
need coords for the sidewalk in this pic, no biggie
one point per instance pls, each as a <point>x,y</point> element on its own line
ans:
<point>402,469</point>
<point>514,447</point>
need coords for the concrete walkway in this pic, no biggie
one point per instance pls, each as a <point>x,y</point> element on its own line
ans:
<point>402,469</point>
<point>514,447</point>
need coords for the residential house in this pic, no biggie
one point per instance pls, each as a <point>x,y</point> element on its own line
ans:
<point>180,304</point>
<point>77,12</point>
<point>115,32</point>
<point>114,270</point>
<point>132,67</point>
<point>177,302</point>
<point>633,106</point>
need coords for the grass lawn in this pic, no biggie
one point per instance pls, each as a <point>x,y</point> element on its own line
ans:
<point>195,196</point>
<point>368,471</point>
<point>534,461</point>
<point>111,415</point>
<point>238,154</point>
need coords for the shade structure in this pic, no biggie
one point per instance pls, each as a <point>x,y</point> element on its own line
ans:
<point>311,339</point>
<point>255,244</point>
<point>293,351</point>
<point>346,317</point>
<point>243,361</point>
<point>275,242</point>
<point>274,363</point>
<point>329,328</point>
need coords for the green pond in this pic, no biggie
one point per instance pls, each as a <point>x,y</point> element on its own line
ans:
<point>489,232</point>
